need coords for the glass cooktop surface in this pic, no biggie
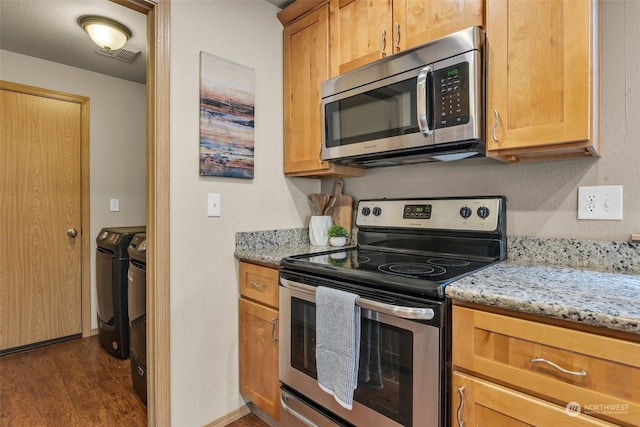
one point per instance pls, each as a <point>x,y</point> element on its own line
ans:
<point>418,274</point>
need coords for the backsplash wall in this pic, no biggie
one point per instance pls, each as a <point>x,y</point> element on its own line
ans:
<point>542,196</point>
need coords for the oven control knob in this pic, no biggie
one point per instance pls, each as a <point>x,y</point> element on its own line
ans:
<point>483,212</point>
<point>366,211</point>
<point>377,211</point>
<point>465,212</point>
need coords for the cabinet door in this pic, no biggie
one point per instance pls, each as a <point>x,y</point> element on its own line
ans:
<point>306,65</point>
<point>361,32</point>
<point>541,79</point>
<point>419,21</point>
<point>259,356</point>
<point>478,403</point>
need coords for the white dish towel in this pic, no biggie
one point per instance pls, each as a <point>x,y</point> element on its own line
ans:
<point>337,343</point>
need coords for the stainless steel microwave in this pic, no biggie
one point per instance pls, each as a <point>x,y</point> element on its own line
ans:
<point>422,104</point>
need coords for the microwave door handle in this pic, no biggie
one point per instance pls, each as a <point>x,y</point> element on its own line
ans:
<point>423,121</point>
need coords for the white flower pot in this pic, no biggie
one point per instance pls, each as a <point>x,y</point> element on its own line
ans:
<point>337,241</point>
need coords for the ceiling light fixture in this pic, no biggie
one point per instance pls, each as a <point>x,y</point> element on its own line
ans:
<point>106,33</point>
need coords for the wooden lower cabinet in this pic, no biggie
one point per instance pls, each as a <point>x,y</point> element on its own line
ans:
<point>258,338</point>
<point>480,403</point>
<point>554,364</point>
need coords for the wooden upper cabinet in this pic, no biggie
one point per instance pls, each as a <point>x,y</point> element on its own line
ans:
<point>421,21</point>
<point>306,65</point>
<point>363,31</point>
<point>542,79</point>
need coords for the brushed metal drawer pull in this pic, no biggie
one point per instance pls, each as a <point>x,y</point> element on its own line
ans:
<point>273,330</point>
<point>257,285</point>
<point>582,373</point>
<point>495,125</point>
<point>459,413</point>
<point>383,42</point>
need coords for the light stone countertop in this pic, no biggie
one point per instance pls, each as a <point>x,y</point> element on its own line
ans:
<point>271,255</point>
<point>605,299</point>
<point>598,283</point>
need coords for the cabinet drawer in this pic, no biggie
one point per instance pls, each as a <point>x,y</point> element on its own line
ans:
<point>602,374</point>
<point>488,404</point>
<point>259,283</point>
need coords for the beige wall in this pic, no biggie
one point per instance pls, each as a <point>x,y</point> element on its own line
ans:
<point>542,197</point>
<point>204,290</point>
<point>117,139</point>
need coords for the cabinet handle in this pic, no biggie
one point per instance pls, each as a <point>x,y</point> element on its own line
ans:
<point>273,330</point>
<point>396,37</point>
<point>383,42</point>
<point>256,285</point>
<point>320,155</point>
<point>459,413</point>
<point>495,125</point>
<point>581,373</point>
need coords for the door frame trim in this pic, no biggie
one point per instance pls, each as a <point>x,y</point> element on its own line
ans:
<point>158,208</point>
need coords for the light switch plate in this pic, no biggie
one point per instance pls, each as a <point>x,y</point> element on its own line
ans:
<point>114,205</point>
<point>213,205</point>
<point>602,202</point>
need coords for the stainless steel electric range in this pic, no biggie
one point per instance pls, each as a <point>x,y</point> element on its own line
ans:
<point>408,251</point>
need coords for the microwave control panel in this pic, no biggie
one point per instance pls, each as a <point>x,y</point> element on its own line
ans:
<point>451,95</point>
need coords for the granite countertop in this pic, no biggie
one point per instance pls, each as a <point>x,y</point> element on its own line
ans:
<point>271,255</point>
<point>598,283</point>
<point>606,299</point>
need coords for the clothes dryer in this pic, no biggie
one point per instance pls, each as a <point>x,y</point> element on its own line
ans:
<point>112,262</point>
<point>137,295</point>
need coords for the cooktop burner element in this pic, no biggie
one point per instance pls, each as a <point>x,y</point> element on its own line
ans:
<point>412,269</point>
<point>415,246</point>
<point>448,262</point>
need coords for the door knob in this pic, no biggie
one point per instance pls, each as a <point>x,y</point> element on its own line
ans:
<point>72,232</point>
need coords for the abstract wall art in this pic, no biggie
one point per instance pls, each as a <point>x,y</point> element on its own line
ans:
<point>227,107</point>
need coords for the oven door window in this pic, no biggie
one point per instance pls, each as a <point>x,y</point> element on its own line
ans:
<point>349,120</point>
<point>385,381</point>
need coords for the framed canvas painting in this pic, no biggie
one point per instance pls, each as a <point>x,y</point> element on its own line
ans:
<point>227,104</point>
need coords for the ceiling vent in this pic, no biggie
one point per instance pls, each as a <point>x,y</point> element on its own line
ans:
<point>124,54</point>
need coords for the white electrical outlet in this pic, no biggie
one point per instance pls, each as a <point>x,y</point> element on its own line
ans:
<point>213,205</point>
<point>114,205</point>
<point>603,202</point>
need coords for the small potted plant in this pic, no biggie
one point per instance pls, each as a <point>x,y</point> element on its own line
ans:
<point>337,235</point>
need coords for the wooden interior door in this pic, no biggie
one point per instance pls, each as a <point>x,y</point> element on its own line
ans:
<point>41,209</point>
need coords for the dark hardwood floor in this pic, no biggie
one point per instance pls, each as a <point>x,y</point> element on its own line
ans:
<point>73,383</point>
<point>248,421</point>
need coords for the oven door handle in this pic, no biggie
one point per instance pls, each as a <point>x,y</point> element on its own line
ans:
<point>283,402</point>
<point>414,313</point>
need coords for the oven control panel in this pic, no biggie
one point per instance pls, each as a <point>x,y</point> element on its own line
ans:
<point>464,214</point>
